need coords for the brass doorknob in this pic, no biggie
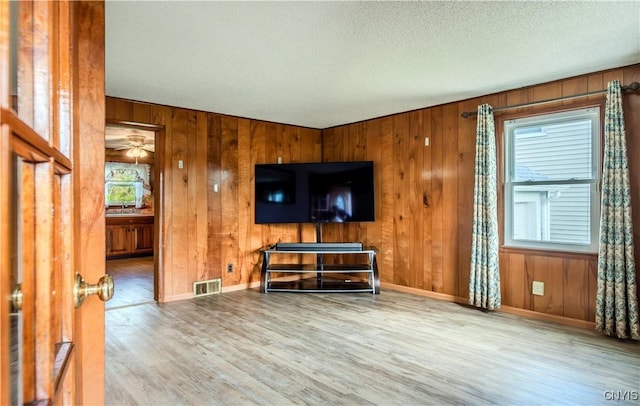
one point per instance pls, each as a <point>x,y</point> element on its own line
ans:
<point>16,298</point>
<point>104,289</point>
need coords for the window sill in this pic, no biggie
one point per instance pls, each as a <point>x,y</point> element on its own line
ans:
<point>548,253</point>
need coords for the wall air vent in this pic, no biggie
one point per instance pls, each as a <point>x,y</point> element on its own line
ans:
<point>210,287</point>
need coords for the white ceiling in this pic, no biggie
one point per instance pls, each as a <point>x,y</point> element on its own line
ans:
<point>321,64</point>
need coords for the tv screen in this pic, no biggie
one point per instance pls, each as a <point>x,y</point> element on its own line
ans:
<point>316,192</point>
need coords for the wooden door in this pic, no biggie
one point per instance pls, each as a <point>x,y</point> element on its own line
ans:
<point>51,202</point>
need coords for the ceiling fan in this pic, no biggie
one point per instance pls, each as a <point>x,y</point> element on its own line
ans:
<point>136,146</point>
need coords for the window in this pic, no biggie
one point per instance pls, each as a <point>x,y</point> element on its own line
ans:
<point>126,184</point>
<point>551,181</point>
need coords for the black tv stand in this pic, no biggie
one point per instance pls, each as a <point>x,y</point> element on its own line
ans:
<point>361,276</point>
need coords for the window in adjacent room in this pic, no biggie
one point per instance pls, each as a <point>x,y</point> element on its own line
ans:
<point>126,184</point>
<point>551,181</point>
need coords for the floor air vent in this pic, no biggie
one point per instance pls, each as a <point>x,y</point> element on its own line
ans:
<point>209,287</point>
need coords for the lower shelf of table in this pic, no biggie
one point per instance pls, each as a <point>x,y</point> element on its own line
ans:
<point>326,284</point>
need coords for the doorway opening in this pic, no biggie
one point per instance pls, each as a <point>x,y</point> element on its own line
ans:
<point>133,168</point>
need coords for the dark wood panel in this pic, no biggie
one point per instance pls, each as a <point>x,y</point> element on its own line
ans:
<point>450,200</point>
<point>248,253</point>
<point>229,191</point>
<point>165,276</point>
<point>214,200</point>
<point>466,183</point>
<point>179,212</point>
<point>513,280</point>
<point>200,196</point>
<point>575,284</point>
<point>427,210</point>
<point>401,220</point>
<point>436,200</point>
<point>574,86</point>
<point>374,153</point>
<point>386,265</point>
<point>549,271</point>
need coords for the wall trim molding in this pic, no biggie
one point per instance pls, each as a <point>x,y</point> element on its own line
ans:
<point>175,298</point>
<point>589,325</point>
<point>242,286</point>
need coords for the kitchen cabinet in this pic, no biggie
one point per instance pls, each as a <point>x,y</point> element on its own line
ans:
<point>128,236</point>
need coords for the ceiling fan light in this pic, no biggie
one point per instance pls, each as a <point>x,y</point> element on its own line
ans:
<point>136,152</point>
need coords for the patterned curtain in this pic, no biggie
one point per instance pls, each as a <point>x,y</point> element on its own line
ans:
<point>616,300</point>
<point>484,281</point>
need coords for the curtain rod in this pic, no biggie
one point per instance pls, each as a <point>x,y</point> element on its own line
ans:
<point>629,88</point>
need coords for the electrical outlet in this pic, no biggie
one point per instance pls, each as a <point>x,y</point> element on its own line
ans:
<point>229,268</point>
<point>538,288</point>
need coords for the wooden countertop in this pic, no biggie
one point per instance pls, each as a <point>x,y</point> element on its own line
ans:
<point>130,218</point>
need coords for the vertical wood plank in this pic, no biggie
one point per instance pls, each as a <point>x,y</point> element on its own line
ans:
<point>191,171</point>
<point>164,202</point>
<point>401,219</point>
<point>575,288</point>
<point>592,280</point>
<point>374,153</point>
<point>229,196</point>
<point>202,197</point>
<point>179,209</point>
<point>427,210</point>
<point>386,169</point>
<point>257,155</point>
<point>141,113</point>
<point>574,86</point>
<point>513,280</point>
<point>248,254</point>
<point>437,200</point>
<point>529,277</point>
<point>466,184</point>
<point>450,248</point>
<point>549,270</point>
<point>214,203</point>
<point>415,164</point>
<point>548,91</point>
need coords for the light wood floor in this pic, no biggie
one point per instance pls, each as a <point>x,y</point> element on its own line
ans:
<point>133,280</point>
<point>245,348</point>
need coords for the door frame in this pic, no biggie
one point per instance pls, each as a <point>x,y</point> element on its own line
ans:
<point>158,193</point>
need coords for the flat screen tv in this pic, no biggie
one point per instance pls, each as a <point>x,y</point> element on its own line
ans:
<point>315,192</point>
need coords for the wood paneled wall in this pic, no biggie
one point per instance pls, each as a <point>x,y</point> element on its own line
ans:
<point>424,200</point>
<point>202,231</point>
<point>424,203</point>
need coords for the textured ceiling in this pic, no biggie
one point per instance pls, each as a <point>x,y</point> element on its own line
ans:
<point>321,64</point>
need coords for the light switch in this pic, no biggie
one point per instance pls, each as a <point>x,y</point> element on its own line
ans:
<point>180,165</point>
<point>216,188</point>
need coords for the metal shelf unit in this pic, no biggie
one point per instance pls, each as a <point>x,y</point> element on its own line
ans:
<point>319,276</point>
